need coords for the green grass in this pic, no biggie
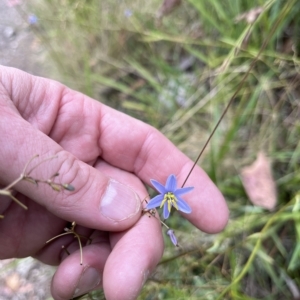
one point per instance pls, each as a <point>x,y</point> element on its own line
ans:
<point>178,76</point>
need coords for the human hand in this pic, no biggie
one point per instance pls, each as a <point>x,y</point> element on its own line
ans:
<point>106,156</point>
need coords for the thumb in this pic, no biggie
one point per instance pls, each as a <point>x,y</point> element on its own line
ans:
<point>98,201</point>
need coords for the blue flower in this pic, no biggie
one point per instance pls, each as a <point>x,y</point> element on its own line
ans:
<point>169,196</point>
<point>127,13</point>
<point>32,19</point>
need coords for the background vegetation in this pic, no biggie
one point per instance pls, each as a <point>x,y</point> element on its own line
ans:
<point>177,71</point>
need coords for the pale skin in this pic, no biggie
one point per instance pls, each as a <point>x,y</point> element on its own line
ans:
<point>96,147</point>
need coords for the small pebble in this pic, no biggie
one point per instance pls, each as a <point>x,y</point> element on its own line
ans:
<point>9,32</point>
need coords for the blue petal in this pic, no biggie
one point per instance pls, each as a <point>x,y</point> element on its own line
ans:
<point>166,211</point>
<point>171,184</point>
<point>155,202</point>
<point>172,236</point>
<point>183,191</point>
<point>183,206</point>
<point>158,186</point>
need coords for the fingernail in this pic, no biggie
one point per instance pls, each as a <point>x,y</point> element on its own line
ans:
<point>88,280</point>
<point>119,201</point>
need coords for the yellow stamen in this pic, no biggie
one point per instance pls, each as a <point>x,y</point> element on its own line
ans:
<point>171,200</point>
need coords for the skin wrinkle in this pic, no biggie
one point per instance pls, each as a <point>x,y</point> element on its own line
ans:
<point>100,129</point>
<point>139,159</point>
<point>71,165</point>
<point>60,115</point>
<point>50,107</point>
<point>83,190</point>
<point>21,104</point>
<point>28,112</point>
<point>128,159</point>
<point>87,133</point>
<point>9,80</point>
<point>6,81</point>
<point>42,113</point>
<point>29,103</point>
<point>59,91</point>
<point>104,126</point>
<point>32,105</point>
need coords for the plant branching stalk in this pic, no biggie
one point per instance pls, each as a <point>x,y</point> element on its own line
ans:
<point>78,236</point>
<point>25,175</point>
<point>8,194</point>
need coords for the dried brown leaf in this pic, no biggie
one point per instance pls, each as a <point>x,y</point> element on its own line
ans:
<point>259,183</point>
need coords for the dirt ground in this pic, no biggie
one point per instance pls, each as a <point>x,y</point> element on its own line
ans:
<point>19,47</point>
<point>25,279</point>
